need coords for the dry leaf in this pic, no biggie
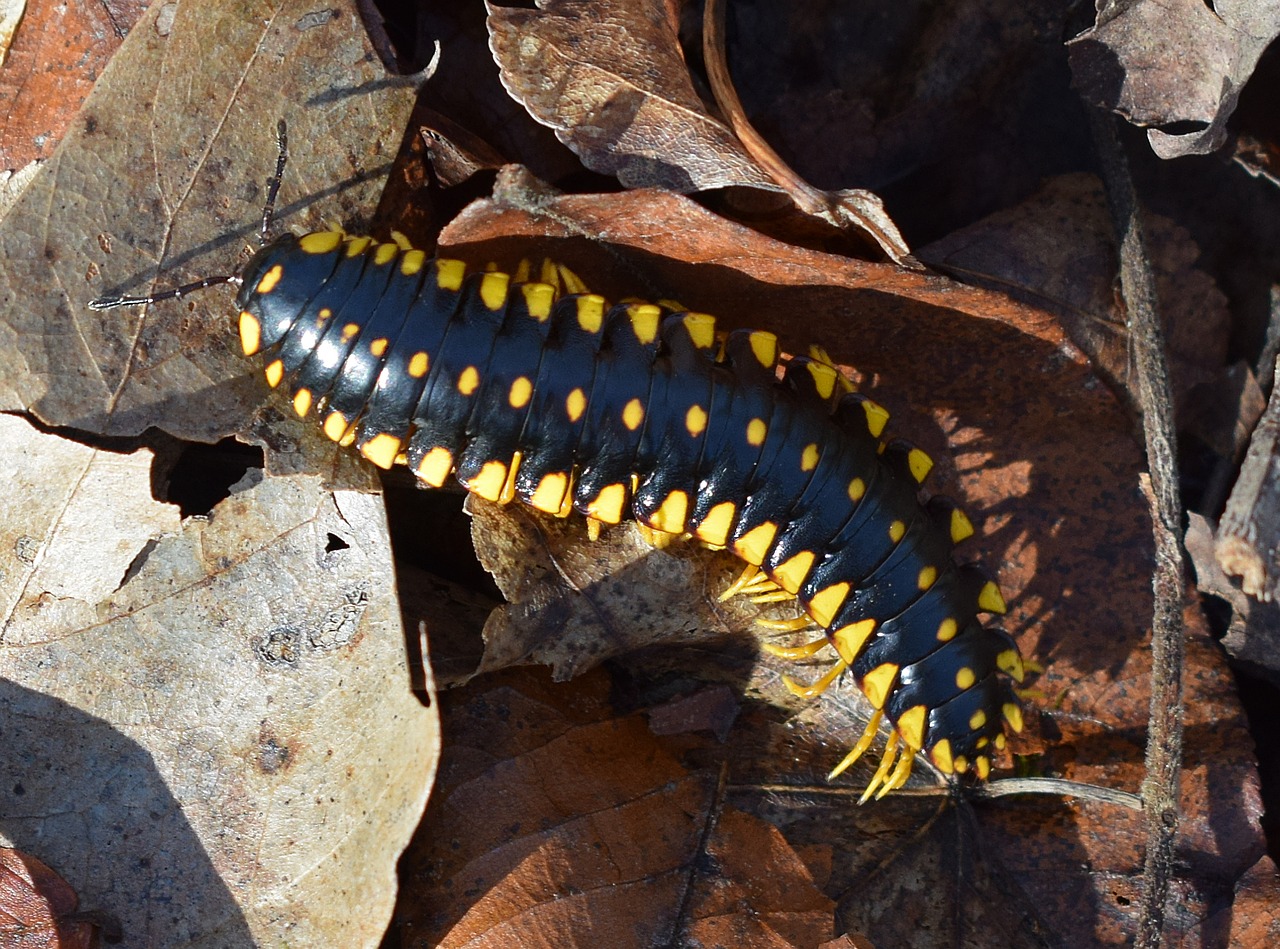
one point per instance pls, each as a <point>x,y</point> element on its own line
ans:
<point>223,747</point>
<point>610,80</point>
<point>575,604</point>
<point>1057,251</point>
<point>168,177</point>
<point>556,824</point>
<point>37,907</point>
<point>1164,62</point>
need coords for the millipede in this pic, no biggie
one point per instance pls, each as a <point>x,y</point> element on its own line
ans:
<point>528,387</point>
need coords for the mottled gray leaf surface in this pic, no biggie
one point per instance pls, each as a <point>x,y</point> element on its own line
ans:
<point>223,749</point>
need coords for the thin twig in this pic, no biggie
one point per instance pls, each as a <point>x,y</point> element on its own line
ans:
<point>1146,341</point>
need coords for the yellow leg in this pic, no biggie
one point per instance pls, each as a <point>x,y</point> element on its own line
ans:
<point>882,772</point>
<point>796,652</point>
<point>786,625</point>
<point>744,578</point>
<point>817,688</point>
<point>868,736</point>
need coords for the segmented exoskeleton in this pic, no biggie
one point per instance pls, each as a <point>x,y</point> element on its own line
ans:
<point>633,411</point>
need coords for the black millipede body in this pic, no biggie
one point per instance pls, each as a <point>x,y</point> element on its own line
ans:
<point>634,411</point>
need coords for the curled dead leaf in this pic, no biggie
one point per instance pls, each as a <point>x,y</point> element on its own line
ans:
<point>1165,62</point>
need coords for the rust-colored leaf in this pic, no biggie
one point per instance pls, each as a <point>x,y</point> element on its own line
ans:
<point>1162,62</point>
<point>58,50</point>
<point>558,823</point>
<point>37,907</point>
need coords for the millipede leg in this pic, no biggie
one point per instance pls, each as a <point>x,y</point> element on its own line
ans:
<point>796,652</point>
<point>817,688</point>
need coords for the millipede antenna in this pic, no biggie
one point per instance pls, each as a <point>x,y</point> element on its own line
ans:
<point>268,216</point>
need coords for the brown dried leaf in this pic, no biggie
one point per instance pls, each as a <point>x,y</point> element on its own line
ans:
<point>1161,62</point>
<point>542,833</point>
<point>198,742</point>
<point>165,173</point>
<point>1057,251</point>
<point>37,907</point>
<point>574,604</point>
<point>610,80</point>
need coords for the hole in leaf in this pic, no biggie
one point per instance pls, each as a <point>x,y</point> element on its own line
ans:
<point>203,475</point>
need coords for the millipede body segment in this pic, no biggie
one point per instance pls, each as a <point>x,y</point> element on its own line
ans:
<point>633,411</point>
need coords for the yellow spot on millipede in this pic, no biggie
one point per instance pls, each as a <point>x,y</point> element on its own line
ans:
<point>857,488</point>
<point>644,318</point>
<point>826,603</point>
<point>809,458</point>
<point>701,329</point>
<point>250,333</point>
<point>274,373</point>
<point>320,242</point>
<point>877,682</point>
<point>521,391</point>
<point>469,380</point>
<point>695,420</point>
<point>715,527</point>
<point>756,432</point>
<point>754,545</point>
<point>269,280</point>
<point>790,575</point>
<point>824,378</point>
<point>633,414</point>
<point>418,365</point>
<point>575,404</point>
<point>920,464</point>
<point>449,274</point>
<point>349,331</point>
<point>927,577</point>
<point>896,530</point>
<point>378,347</point>
<point>435,466</point>
<point>608,504</point>
<point>849,640</point>
<point>493,290</point>
<point>940,755</point>
<point>947,630</point>
<point>670,517</point>
<point>381,449</point>
<point>877,417</point>
<point>965,678</point>
<point>590,308</point>
<point>548,496</point>
<point>335,426</point>
<point>764,346</point>
<point>538,299</point>
<point>412,262</point>
<point>302,402</point>
<point>488,483</point>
